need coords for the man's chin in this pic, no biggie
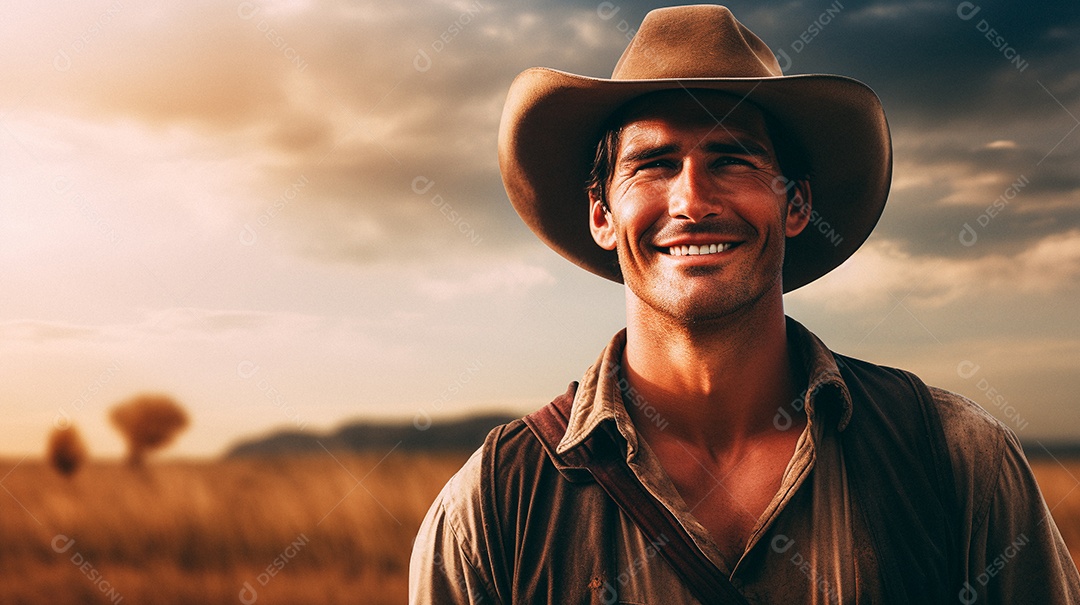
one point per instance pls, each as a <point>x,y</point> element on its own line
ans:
<point>693,305</point>
<point>691,301</point>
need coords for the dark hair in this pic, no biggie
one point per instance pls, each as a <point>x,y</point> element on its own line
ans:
<point>603,164</point>
<point>793,160</point>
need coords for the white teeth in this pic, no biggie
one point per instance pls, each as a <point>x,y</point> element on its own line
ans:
<point>697,250</point>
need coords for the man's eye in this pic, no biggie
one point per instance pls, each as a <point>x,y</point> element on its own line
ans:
<point>656,164</point>
<point>733,161</point>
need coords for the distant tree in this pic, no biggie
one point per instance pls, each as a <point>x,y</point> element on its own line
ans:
<point>66,450</point>
<point>148,422</point>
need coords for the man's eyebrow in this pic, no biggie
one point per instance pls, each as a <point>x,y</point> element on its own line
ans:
<point>744,148</point>
<point>647,153</point>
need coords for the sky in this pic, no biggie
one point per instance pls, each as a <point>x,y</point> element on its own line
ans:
<point>289,215</point>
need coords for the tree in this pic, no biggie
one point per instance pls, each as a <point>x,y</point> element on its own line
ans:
<point>66,450</point>
<point>148,422</point>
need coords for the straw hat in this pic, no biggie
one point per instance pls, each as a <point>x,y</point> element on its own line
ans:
<point>552,121</point>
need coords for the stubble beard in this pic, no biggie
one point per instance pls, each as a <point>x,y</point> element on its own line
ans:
<point>731,298</point>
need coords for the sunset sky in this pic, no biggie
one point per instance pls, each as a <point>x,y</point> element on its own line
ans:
<point>289,214</point>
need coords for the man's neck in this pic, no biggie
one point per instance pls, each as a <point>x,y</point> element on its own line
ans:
<point>717,384</point>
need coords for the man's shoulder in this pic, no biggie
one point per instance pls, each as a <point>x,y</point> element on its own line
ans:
<point>461,536</point>
<point>510,454</point>
<point>511,436</point>
<point>971,432</point>
<point>977,443</point>
<point>978,446</point>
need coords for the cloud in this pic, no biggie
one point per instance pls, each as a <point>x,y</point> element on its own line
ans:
<point>884,273</point>
<point>507,279</point>
<point>1014,194</point>
<point>39,332</point>
<point>361,99</point>
<point>358,100</point>
<point>176,325</point>
<point>175,127</point>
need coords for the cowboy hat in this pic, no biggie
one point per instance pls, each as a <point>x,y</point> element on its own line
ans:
<point>552,122</point>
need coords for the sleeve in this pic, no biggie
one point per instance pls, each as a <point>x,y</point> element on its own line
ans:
<point>446,567</point>
<point>1017,555</point>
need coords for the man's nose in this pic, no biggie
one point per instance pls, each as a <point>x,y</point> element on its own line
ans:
<point>693,195</point>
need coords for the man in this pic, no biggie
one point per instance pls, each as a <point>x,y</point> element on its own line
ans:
<point>717,451</point>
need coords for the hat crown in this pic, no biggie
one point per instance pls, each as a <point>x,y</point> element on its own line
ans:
<point>704,41</point>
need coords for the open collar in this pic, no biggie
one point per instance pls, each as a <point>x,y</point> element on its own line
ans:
<point>603,392</point>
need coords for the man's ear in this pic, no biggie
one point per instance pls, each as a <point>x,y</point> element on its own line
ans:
<point>798,208</point>
<point>600,225</point>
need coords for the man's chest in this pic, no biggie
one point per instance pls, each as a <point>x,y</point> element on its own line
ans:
<point>730,498</point>
<point>795,558</point>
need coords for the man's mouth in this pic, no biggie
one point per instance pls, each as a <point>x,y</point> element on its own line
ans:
<point>699,250</point>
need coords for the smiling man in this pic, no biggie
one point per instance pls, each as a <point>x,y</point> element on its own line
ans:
<point>717,451</point>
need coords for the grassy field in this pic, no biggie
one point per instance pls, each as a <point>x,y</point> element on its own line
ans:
<point>318,530</point>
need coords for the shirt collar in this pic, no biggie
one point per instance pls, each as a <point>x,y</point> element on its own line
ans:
<point>825,387</point>
<point>599,397</point>
<point>600,394</point>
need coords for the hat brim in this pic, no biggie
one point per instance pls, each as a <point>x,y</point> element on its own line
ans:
<point>552,120</point>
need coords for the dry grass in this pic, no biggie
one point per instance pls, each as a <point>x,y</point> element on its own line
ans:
<point>196,532</point>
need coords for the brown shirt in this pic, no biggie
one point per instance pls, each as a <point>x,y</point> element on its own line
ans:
<point>806,546</point>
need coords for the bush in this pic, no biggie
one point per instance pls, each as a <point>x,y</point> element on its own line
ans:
<point>148,422</point>
<point>66,450</point>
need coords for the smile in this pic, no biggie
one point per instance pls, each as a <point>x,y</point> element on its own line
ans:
<point>701,250</point>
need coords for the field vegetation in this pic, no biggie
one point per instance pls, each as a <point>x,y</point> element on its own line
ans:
<point>319,529</point>
<point>308,530</point>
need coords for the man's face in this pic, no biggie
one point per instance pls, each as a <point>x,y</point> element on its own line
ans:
<point>698,209</point>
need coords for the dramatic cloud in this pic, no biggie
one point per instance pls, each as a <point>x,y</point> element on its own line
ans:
<point>883,273</point>
<point>312,187</point>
